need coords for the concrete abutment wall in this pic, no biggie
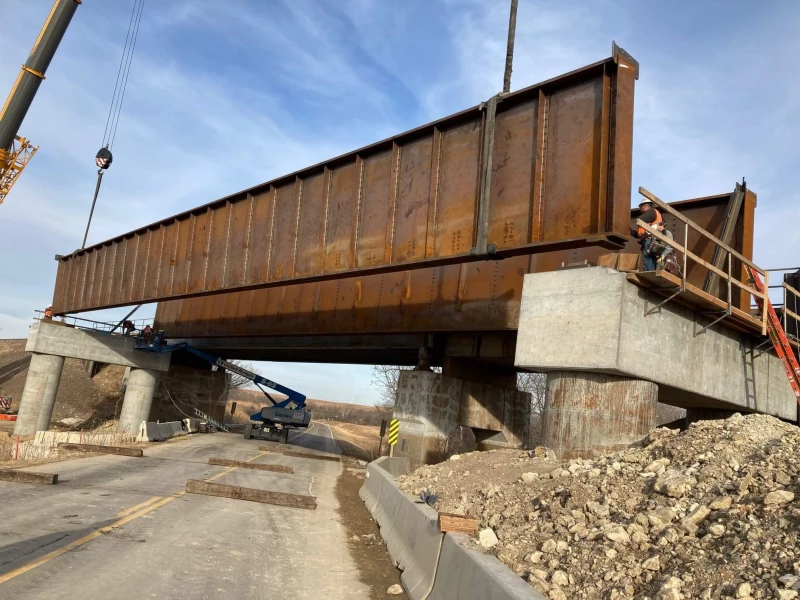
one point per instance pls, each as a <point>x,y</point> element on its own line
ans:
<point>441,415</point>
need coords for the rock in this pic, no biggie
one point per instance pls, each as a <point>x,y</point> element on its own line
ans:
<point>787,594</point>
<point>535,557</point>
<point>355,538</point>
<point>611,553</point>
<point>722,503</point>
<point>487,538</point>
<point>529,477</point>
<point>673,484</point>
<point>538,583</point>
<point>782,478</point>
<point>540,573</point>
<point>661,433</point>
<point>618,534</point>
<point>657,466</point>
<point>495,520</point>
<point>561,546</point>
<point>698,515</point>
<point>744,590</point>
<point>557,594</point>
<point>652,564</point>
<point>455,457</point>
<point>790,581</point>
<point>542,452</point>
<point>597,509</point>
<point>717,529</point>
<point>778,497</point>
<point>559,578</point>
<point>549,546</point>
<point>369,537</point>
<point>395,590</point>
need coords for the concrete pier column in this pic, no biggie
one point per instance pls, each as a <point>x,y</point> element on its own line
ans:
<point>587,414</point>
<point>138,399</point>
<point>39,394</point>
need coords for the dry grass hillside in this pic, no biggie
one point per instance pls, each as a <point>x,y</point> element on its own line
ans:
<point>251,401</point>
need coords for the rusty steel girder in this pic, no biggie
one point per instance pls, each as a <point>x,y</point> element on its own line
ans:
<point>544,168</point>
<point>474,297</point>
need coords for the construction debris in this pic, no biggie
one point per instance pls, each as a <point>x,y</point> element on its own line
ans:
<point>708,513</point>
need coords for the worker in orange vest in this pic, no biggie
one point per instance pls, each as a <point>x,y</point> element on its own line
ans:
<point>48,312</point>
<point>652,216</point>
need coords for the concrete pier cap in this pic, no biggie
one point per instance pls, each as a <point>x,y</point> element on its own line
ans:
<point>590,329</point>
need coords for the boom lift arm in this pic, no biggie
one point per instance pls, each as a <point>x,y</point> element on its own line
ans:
<point>294,399</point>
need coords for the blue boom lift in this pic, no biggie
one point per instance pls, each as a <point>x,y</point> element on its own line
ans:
<point>282,416</point>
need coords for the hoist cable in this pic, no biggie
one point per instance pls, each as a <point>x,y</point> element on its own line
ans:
<point>119,73</point>
<point>127,74</point>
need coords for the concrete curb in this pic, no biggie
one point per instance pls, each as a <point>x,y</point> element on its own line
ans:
<point>435,566</point>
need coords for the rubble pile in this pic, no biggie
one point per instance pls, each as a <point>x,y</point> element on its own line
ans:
<point>707,513</point>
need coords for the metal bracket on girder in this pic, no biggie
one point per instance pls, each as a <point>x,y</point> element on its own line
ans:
<point>722,315</point>
<point>482,247</point>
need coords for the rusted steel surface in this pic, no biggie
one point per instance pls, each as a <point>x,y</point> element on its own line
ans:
<point>481,296</point>
<point>556,175</point>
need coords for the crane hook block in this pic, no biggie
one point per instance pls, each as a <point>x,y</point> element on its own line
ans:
<point>104,158</point>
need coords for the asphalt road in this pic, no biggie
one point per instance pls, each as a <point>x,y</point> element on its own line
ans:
<point>119,527</point>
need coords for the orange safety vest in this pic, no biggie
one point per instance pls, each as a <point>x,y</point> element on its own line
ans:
<point>656,224</point>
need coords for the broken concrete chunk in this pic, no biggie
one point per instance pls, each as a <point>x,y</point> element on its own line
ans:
<point>487,538</point>
<point>673,484</point>
<point>778,497</point>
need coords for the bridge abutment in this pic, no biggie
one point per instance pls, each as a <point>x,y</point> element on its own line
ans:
<point>442,415</point>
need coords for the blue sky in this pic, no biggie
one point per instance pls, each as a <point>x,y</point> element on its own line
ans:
<point>225,95</point>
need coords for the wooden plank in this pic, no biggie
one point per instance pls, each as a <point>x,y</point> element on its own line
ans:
<point>457,523</point>
<point>224,462</point>
<point>28,477</point>
<point>207,488</point>
<point>119,450</point>
<point>684,219</point>
<point>296,454</point>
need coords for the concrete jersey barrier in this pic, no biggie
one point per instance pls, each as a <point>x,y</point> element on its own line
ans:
<point>434,565</point>
<point>158,432</point>
<point>465,574</point>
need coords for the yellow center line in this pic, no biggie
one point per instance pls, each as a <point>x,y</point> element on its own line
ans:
<point>134,512</point>
<point>128,511</point>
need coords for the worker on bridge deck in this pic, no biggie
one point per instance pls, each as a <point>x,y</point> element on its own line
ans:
<point>48,312</point>
<point>654,251</point>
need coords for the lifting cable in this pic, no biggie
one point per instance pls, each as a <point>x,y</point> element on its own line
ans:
<point>104,158</point>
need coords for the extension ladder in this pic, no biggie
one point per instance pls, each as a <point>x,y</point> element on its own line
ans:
<point>216,423</point>
<point>776,333</point>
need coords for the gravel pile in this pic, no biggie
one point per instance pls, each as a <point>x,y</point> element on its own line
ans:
<point>707,513</point>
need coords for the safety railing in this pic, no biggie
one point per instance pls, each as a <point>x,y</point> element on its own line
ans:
<point>726,274</point>
<point>90,325</point>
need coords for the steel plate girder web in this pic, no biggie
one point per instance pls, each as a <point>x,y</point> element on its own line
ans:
<point>543,169</point>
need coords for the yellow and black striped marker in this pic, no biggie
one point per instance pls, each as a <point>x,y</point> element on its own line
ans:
<point>394,431</point>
